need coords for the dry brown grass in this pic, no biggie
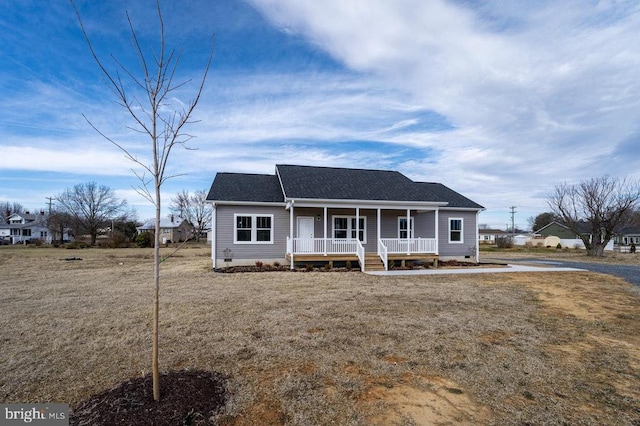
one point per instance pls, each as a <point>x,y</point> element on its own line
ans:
<point>317,348</point>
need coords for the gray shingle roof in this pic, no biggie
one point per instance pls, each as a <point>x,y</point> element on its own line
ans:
<point>331,183</point>
<point>246,187</point>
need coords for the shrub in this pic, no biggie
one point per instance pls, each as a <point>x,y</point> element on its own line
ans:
<point>632,249</point>
<point>348,265</point>
<point>309,267</point>
<point>74,245</point>
<point>505,241</point>
<point>259,264</point>
<point>276,264</point>
<point>144,239</point>
<point>559,246</point>
<point>409,264</point>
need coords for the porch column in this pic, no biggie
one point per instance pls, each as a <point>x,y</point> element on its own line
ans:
<point>293,246</point>
<point>408,231</point>
<point>378,232</point>
<point>325,230</point>
<point>357,223</point>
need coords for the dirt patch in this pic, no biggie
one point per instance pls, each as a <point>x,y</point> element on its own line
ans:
<point>430,401</point>
<point>187,398</point>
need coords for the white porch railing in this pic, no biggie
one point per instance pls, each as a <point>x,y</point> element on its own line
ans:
<point>384,254</point>
<point>360,253</point>
<point>410,246</point>
<point>322,246</point>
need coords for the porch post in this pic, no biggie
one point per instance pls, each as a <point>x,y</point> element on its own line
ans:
<point>357,223</point>
<point>408,231</point>
<point>325,230</point>
<point>378,232</point>
<point>293,245</point>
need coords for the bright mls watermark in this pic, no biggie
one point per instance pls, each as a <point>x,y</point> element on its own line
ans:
<point>36,414</point>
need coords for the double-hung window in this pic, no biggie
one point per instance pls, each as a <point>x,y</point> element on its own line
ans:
<point>455,230</point>
<point>253,229</point>
<point>402,227</point>
<point>344,227</point>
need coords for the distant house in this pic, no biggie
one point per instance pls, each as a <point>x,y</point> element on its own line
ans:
<point>24,228</point>
<point>325,214</point>
<point>628,235</point>
<point>567,237</point>
<point>172,229</point>
<point>488,236</point>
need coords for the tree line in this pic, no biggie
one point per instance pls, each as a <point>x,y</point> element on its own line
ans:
<point>89,209</point>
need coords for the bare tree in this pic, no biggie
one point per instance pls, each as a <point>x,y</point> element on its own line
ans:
<point>156,118</point>
<point>7,208</point>
<point>194,208</point>
<point>91,206</point>
<point>58,222</point>
<point>602,204</point>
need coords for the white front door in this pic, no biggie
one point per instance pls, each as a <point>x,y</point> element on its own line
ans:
<point>305,234</point>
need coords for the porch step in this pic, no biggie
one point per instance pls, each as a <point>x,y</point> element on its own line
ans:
<point>372,262</point>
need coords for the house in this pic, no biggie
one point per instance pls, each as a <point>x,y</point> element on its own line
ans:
<point>628,235</point>
<point>566,237</point>
<point>25,227</point>
<point>172,229</point>
<point>488,236</point>
<point>312,214</point>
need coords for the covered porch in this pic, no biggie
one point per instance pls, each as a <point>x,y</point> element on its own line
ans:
<point>372,235</point>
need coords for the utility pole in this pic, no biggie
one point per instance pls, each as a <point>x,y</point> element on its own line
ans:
<point>513,213</point>
<point>50,203</point>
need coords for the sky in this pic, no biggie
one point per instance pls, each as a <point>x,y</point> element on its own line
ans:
<point>500,100</point>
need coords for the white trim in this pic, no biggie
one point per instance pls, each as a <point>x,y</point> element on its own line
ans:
<point>461,230</point>
<point>253,229</point>
<point>213,235</point>
<point>370,204</point>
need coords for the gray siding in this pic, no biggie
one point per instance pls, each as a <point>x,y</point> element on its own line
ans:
<point>225,226</point>
<point>469,242</point>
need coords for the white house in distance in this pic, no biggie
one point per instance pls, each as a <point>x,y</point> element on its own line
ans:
<point>25,227</point>
<point>315,214</point>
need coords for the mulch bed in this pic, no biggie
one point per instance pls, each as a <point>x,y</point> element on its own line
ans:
<point>186,398</point>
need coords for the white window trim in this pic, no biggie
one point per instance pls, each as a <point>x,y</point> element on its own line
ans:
<point>461,230</point>
<point>411,226</point>
<point>349,228</point>
<point>254,229</point>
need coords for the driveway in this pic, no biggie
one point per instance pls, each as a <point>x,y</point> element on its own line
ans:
<point>630,273</point>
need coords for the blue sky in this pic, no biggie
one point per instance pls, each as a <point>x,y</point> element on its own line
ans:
<point>499,100</point>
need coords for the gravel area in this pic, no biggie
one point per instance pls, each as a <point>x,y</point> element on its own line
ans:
<point>630,273</point>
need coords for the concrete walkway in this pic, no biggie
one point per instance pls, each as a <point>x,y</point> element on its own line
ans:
<point>471,270</point>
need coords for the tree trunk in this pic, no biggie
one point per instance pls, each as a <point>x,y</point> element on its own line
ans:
<point>156,300</point>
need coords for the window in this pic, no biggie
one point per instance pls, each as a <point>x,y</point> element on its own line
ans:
<point>455,230</point>
<point>402,227</point>
<point>344,227</point>
<point>253,229</point>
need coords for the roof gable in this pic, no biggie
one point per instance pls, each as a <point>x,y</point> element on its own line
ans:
<point>245,187</point>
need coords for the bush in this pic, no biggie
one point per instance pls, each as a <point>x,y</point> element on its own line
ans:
<point>259,264</point>
<point>309,267</point>
<point>348,265</point>
<point>74,245</point>
<point>505,241</point>
<point>632,249</point>
<point>144,239</point>
<point>559,246</point>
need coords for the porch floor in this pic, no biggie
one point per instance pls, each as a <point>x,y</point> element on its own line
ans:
<point>370,258</point>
